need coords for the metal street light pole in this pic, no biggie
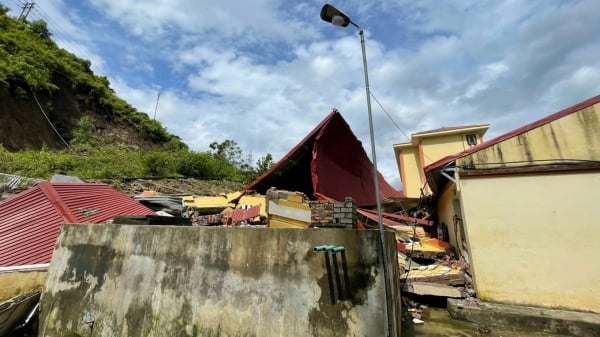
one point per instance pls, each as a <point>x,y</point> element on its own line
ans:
<point>338,18</point>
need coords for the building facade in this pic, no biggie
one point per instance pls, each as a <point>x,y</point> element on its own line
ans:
<point>429,146</point>
<point>520,207</point>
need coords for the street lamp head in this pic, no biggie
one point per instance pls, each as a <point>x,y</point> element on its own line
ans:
<point>339,21</point>
<point>335,16</point>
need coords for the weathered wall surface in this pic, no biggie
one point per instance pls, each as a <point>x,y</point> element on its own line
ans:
<point>18,283</point>
<point>435,148</point>
<point>573,137</point>
<point>189,281</point>
<point>533,240</point>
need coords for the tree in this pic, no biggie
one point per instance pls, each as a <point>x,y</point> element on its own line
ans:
<point>264,163</point>
<point>40,27</point>
<point>228,150</point>
<point>83,134</point>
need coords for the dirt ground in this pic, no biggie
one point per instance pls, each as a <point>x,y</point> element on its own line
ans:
<point>174,186</point>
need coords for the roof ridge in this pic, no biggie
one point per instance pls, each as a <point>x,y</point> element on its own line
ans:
<point>48,189</point>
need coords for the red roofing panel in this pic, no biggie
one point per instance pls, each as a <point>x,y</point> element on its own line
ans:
<point>375,217</point>
<point>329,162</point>
<point>341,168</point>
<point>548,119</point>
<point>30,221</point>
<point>295,149</point>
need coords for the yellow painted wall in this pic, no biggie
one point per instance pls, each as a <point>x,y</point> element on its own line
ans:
<point>18,283</point>
<point>411,187</point>
<point>445,212</point>
<point>438,147</point>
<point>576,136</point>
<point>534,239</point>
<point>435,147</point>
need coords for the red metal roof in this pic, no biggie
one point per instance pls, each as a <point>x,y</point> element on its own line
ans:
<point>331,162</point>
<point>448,159</point>
<point>30,221</point>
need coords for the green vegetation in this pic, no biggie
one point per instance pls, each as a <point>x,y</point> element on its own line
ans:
<point>87,159</point>
<point>90,158</point>
<point>31,61</point>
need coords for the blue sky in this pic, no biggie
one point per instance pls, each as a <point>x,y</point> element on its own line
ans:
<point>264,73</point>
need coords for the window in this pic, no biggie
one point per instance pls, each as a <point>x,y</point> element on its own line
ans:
<point>471,140</point>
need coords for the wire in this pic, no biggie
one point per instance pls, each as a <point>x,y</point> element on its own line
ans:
<point>59,33</point>
<point>412,246</point>
<point>48,119</point>
<point>389,116</point>
<point>394,122</point>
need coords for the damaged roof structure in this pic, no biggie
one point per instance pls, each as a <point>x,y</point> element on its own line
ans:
<point>329,163</point>
<point>31,220</point>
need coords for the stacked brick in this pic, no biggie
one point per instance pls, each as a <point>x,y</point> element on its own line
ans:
<point>321,214</point>
<point>345,213</point>
<point>338,214</point>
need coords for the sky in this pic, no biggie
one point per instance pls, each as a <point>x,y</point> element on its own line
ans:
<point>264,72</point>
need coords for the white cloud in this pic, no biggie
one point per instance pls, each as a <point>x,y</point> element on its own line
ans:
<point>216,19</point>
<point>265,75</point>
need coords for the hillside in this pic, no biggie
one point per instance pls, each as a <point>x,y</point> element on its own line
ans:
<point>33,68</point>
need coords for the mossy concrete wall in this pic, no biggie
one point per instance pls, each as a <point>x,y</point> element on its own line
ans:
<point>134,281</point>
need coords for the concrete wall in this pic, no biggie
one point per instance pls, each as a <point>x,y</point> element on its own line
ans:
<point>20,282</point>
<point>534,239</point>
<point>191,281</point>
<point>575,136</point>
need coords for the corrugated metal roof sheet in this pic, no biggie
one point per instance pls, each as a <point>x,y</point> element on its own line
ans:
<point>30,221</point>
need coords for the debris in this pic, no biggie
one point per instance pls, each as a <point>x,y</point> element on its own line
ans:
<point>337,214</point>
<point>287,209</point>
<point>231,209</point>
<point>432,289</point>
<point>18,311</point>
<point>156,202</point>
<point>483,329</point>
<point>417,321</point>
<point>437,274</point>
<point>156,220</point>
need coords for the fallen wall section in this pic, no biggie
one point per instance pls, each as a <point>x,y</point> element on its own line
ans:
<point>119,280</point>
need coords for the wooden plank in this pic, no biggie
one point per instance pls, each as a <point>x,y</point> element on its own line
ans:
<point>432,289</point>
<point>404,218</point>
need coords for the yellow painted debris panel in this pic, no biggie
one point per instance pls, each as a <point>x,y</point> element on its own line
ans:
<point>206,202</point>
<point>281,222</point>
<point>293,204</point>
<point>249,200</point>
<point>432,270</point>
<point>226,201</point>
